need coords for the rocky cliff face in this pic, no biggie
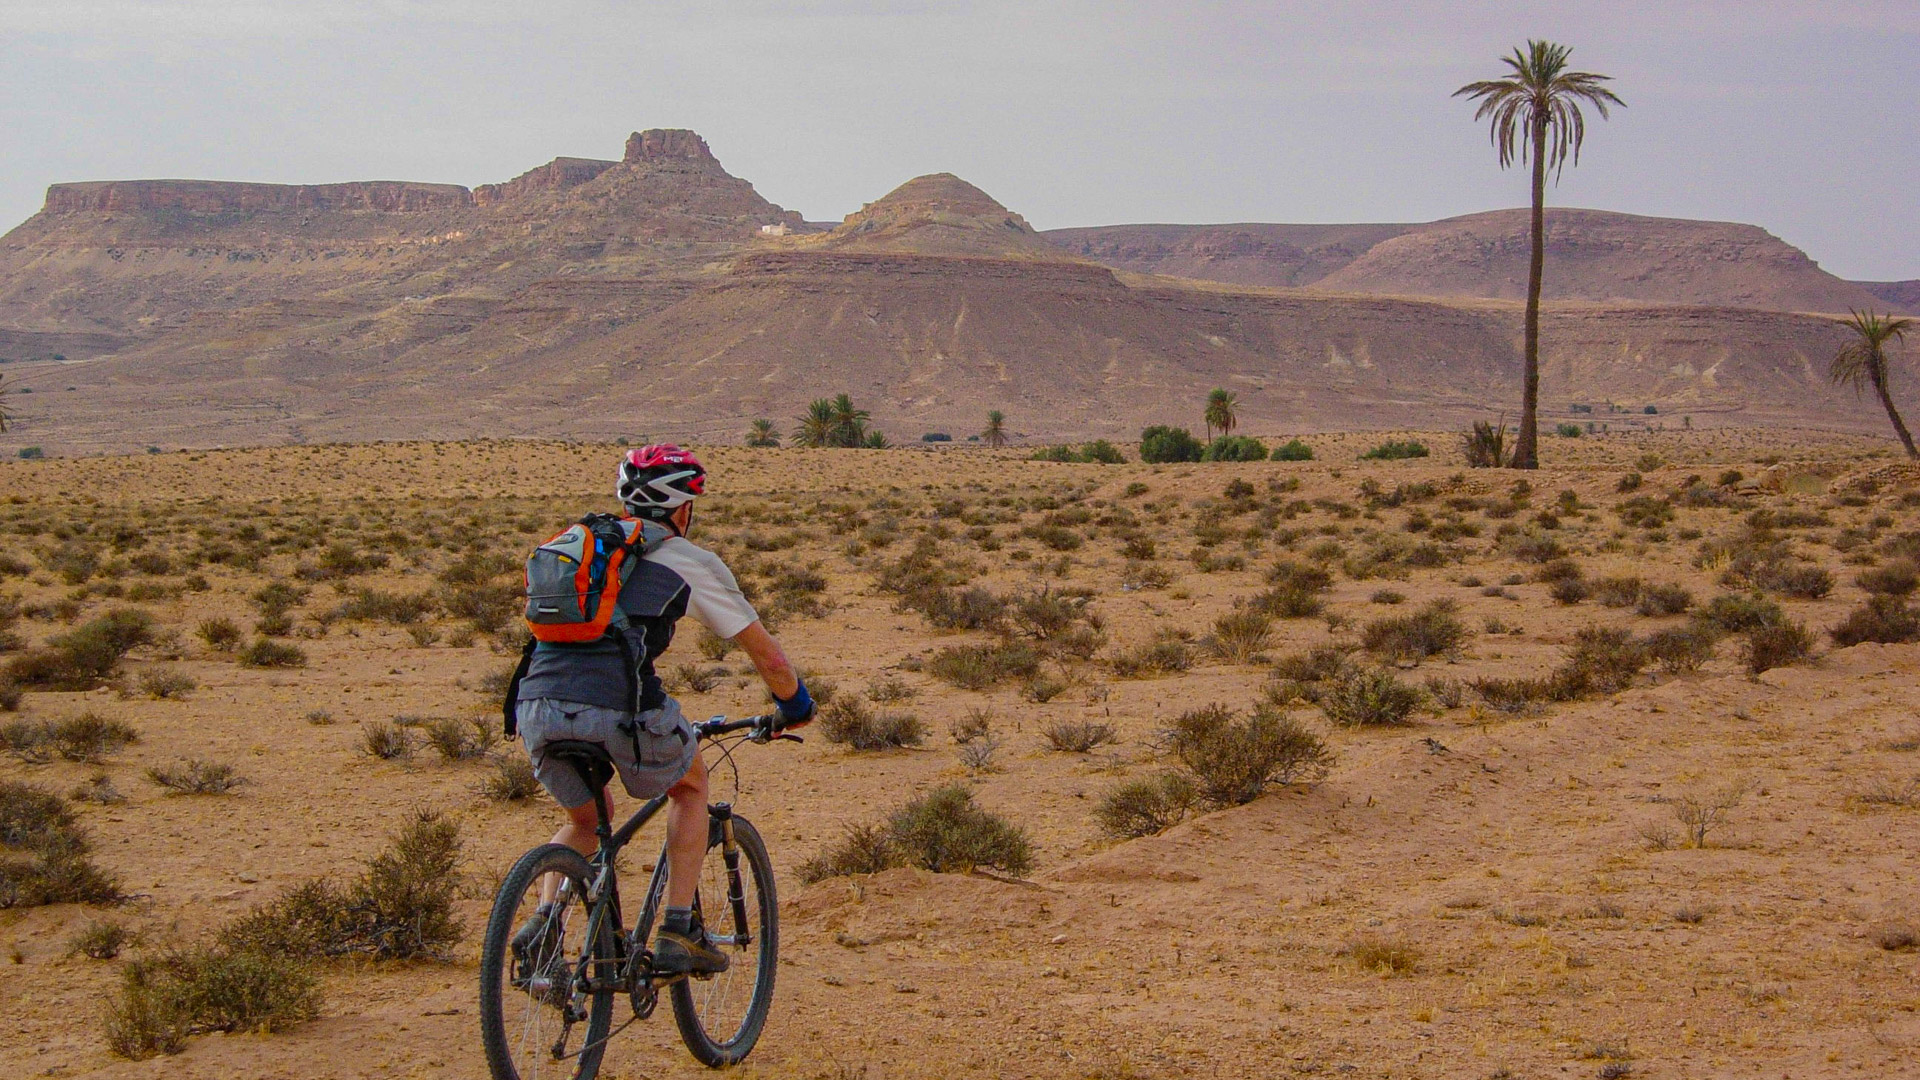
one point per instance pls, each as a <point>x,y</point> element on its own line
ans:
<point>1899,295</point>
<point>1280,256</point>
<point>939,214</point>
<point>556,175</point>
<point>221,197</point>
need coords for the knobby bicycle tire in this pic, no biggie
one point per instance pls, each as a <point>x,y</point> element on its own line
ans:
<point>698,1004</point>
<point>498,998</point>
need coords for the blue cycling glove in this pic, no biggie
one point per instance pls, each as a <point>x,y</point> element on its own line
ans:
<point>798,709</point>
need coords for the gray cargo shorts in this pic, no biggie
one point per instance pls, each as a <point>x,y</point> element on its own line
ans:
<point>651,752</point>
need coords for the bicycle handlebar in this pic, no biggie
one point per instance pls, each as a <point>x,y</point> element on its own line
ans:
<point>763,728</point>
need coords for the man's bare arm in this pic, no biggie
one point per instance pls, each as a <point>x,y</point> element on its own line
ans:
<point>768,660</point>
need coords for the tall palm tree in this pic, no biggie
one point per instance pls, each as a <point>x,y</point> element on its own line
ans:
<point>1862,362</point>
<point>762,433</point>
<point>996,433</point>
<point>816,424</point>
<point>1220,414</point>
<point>849,423</point>
<point>1536,118</point>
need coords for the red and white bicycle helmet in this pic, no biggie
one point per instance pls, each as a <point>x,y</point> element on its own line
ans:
<point>658,478</point>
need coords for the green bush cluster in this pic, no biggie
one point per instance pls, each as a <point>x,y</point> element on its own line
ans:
<point>944,831</point>
<point>1161,444</point>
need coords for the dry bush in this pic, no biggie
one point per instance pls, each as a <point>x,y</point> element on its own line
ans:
<point>1737,613</point>
<point>890,688</point>
<point>373,605</point>
<point>1042,688</point>
<point>849,722</point>
<point>977,756</point>
<point>1045,615</point>
<point>1604,660</point>
<point>222,634</point>
<point>1658,600</point>
<point>43,852</point>
<point>1232,761</point>
<point>87,739</point>
<point>101,940</point>
<point>165,999</point>
<point>1886,791</point>
<point>1777,645</point>
<point>942,831</point>
<point>978,667</point>
<point>1898,578</point>
<point>1433,630</point>
<point>1886,619</point>
<point>692,678</point>
<point>512,779</point>
<point>167,684</point>
<point>1569,591</point>
<point>1447,693</point>
<point>1164,655</point>
<point>1364,696</point>
<point>1145,805</point>
<point>1239,636</point>
<point>1701,814</point>
<point>1682,649</point>
<point>1383,957</point>
<point>977,724</point>
<point>456,739</point>
<point>98,789</point>
<point>387,742</point>
<point>268,653</point>
<point>945,608</point>
<point>195,777</point>
<point>86,656</point>
<point>400,907</point>
<point>1077,737</point>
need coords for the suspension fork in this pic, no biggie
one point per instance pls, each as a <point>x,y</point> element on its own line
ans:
<point>722,814</point>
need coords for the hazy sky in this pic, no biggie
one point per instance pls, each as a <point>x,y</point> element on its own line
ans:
<point>1798,117</point>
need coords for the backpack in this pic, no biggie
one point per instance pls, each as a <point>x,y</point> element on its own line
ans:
<point>573,592</point>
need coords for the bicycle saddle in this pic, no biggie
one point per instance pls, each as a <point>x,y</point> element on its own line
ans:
<point>589,759</point>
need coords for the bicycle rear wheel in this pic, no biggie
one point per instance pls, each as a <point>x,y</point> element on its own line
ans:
<point>530,1001</point>
<point>720,1016</point>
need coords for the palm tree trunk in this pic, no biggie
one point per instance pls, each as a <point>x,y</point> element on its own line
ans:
<point>1893,414</point>
<point>1526,452</point>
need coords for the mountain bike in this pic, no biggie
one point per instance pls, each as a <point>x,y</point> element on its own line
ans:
<point>547,1011</point>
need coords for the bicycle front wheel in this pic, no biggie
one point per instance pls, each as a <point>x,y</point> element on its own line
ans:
<point>720,1016</point>
<point>537,1020</point>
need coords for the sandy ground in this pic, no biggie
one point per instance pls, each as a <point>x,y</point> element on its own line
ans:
<point>1508,852</point>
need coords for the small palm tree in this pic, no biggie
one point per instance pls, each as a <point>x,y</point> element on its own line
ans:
<point>816,424</point>
<point>849,423</point>
<point>1862,362</point>
<point>762,433</point>
<point>1539,98</point>
<point>1220,414</point>
<point>996,433</point>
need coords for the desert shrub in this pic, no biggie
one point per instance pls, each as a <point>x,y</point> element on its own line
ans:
<point>1235,448</point>
<point>1883,618</point>
<point>1790,579</point>
<point>196,777</point>
<point>182,992</point>
<point>512,779</point>
<point>1161,444</point>
<point>386,741</point>
<point>1604,660</point>
<point>101,940</point>
<point>268,653</point>
<point>1567,431</point>
<point>864,849</point>
<point>1569,591</point>
<point>977,667</point>
<point>1287,601</point>
<point>972,608</point>
<point>167,684</point>
<point>1292,450</point>
<point>220,633</point>
<point>977,724</point>
<point>1682,649</point>
<point>1533,547</point>
<point>486,605</point>
<point>1042,688</point>
<point>1239,636</point>
<point>1384,957</point>
<point>1161,656</point>
<point>1366,696</point>
<point>1076,736</point>
<point>1045,614</point>
<point>1663,599</point>
<point>1396,450</point>
<point>1737,613</point>
<point>1898,578</point>
<point>1777,645</point>
<point>373,605</point>
<point>849,722</point>
<point>943,831</point>
<point>1057,537</point>
<point>1145,805</point>
<point>1644,512</point>
<point>1516,695</point>
<point>400,907</point>
<point>88,738</point>
<point>1431,631</point>
<point>10,694</point>
<point>341,559</point>
<point>1485,445</point>
<point>456,739</point>
<point>1618,592</point>
<point>43,852</point>
<point>1232,761</point>
<point>278,598</point>
<point>1447,693</point>
<point>83,657</point>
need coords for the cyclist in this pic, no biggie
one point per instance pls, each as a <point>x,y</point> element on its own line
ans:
<point>581,692</point>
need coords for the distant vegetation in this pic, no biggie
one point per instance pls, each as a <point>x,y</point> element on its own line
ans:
<point>1396,450</point>
<point>1862,362</point>
<point>1099,451</point>
<point>763,434</point>
<point>995,434</point>
<point>1161,444</point>
<point>1293,450</point>
<point>836,422</point>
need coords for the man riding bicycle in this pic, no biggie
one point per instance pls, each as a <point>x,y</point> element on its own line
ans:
<point>584,692</point>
